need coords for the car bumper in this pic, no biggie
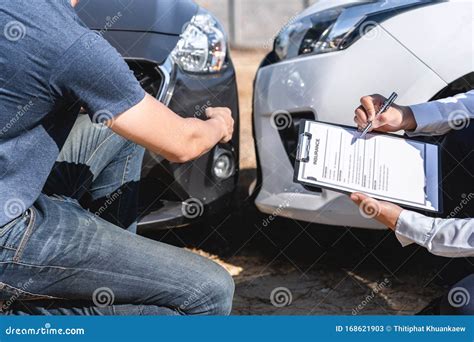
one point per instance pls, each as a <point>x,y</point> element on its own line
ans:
<point>325,87</point>
<point>164,185</point>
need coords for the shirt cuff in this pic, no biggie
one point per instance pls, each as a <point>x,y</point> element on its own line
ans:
<point>427,116</point>
<point>413,227</point>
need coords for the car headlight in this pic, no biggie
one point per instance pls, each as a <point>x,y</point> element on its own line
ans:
<point>202,45</point>
<point>337,28</point>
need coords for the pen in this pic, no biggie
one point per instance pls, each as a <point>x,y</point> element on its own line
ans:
<point>388,102</point>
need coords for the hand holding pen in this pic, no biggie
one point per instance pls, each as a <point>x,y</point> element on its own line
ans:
<point>386,104</point>
<point>393,118</point>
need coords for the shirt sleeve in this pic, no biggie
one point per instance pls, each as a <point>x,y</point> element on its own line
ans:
<point>92,73</point>
<point>444,237</point>
<point>439,117</point>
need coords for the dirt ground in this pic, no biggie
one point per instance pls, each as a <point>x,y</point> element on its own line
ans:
<point>285,267</point>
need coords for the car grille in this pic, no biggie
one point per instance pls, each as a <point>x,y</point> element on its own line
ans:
<point>289,136</point>
<point>148,74</point>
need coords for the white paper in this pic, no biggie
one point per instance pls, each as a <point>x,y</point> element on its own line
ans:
<point>382,166</point>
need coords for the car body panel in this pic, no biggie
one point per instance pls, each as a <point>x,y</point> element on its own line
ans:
<point>329,86</point>
<point>444,51</point>
<point>153,47</point>
<point>316,82</point>
<point>162,16</point>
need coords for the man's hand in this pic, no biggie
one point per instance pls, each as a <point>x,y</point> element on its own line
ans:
<point>154,126</point>
<point>393,119</point>
<point>224,117</point>
<point>385,212</point>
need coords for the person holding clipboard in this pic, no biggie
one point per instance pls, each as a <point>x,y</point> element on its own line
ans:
<point>452,236</point>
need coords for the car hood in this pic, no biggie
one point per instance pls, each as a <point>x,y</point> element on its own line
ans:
<point>322,5</point>
<point>159,16</point>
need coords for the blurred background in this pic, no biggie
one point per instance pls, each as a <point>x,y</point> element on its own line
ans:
<point>249,23</point>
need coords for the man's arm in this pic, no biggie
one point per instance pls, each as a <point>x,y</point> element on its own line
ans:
<point>152,125</point>
<point>430,118</point>
<point>439,117</point>
<point>444,237</point>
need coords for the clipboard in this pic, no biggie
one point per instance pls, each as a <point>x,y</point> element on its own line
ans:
<point>307,154</point>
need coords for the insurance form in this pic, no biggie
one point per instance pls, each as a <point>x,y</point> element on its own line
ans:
<point>383,166</point>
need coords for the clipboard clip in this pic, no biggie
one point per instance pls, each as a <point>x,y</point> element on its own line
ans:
<point>302,152</point>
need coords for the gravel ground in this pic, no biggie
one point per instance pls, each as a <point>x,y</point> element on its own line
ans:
<point>294,268</point>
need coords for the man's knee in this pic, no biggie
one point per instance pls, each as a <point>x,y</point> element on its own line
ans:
<point>212,295</point>
<point>460,298</point>
<point>222,292</point>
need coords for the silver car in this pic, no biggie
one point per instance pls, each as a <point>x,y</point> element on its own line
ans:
<point>329,56</point>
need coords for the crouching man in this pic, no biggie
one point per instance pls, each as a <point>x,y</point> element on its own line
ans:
<point>58,168</point>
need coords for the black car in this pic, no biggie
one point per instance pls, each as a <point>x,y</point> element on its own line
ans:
<point>179,53</point>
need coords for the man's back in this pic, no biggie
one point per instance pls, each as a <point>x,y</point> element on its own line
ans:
<point>35,36</point>
<point>50,66</point>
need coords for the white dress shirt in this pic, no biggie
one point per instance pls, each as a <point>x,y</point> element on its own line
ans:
<point>445,237</point>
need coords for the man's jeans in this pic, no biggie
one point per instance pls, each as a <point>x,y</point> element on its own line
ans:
<point>59,258</point>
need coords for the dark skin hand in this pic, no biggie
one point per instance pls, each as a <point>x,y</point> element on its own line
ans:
<point>396,118</point>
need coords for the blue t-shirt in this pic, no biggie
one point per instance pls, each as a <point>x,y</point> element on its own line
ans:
<point>51,65</point>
